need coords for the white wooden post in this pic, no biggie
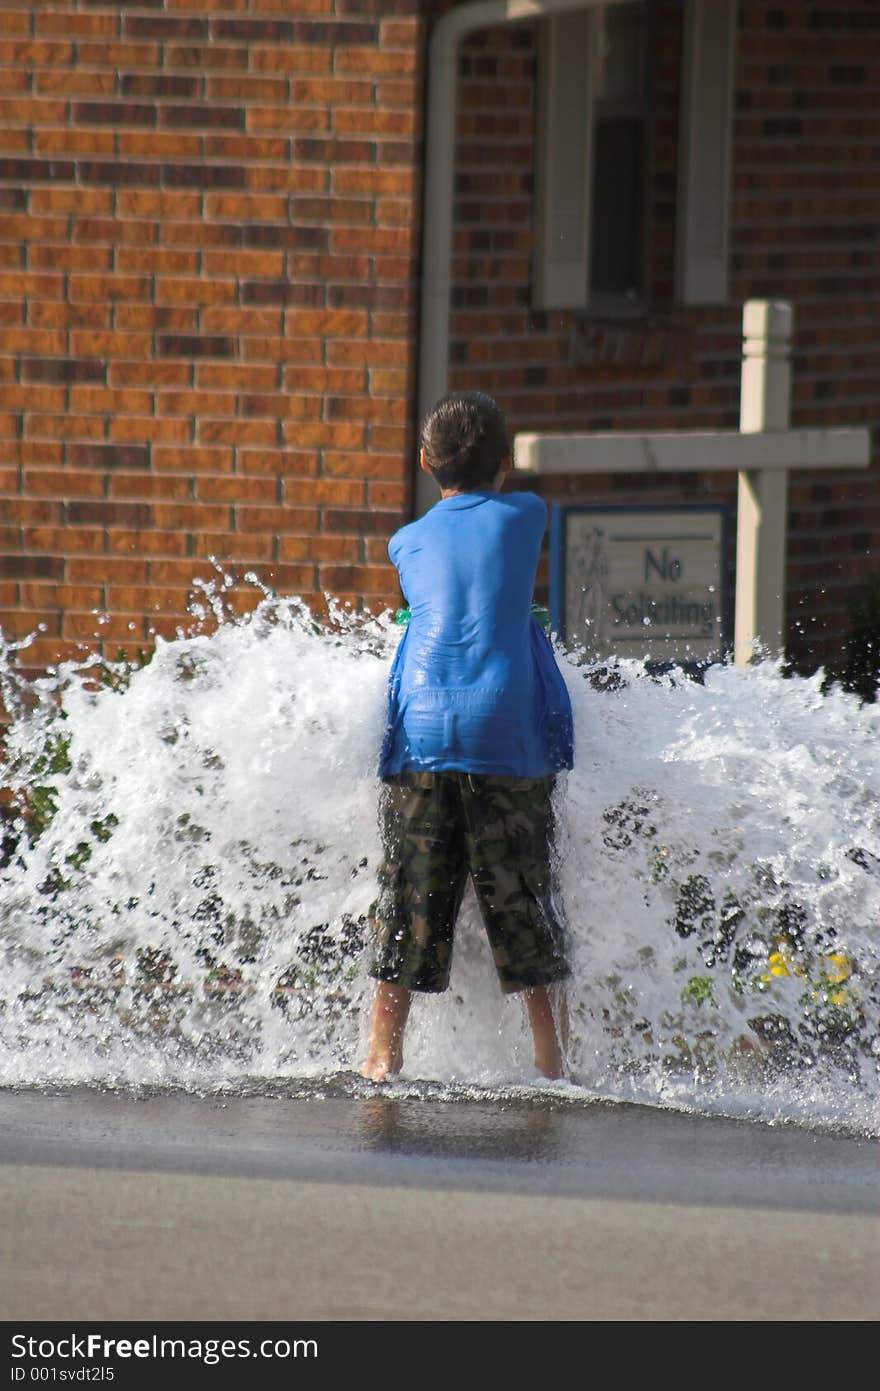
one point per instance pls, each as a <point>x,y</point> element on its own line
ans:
<point>763,494</point>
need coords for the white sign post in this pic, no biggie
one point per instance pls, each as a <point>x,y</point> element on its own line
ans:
<point>761,452</point>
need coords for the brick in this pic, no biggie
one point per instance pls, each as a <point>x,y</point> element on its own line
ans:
<point>234,545</point>
<point>32,340</point>
<point>261,432</point>
<point>111,344</point>
<point>305,435</point>
<point>19,109</point>
<point>241,30</point>
<point>203,117</point>
<point>176,516</point>
<point>195,345</point>
<point>362,465</point>
<point>290,58</point>
<point>68,257</point>
<point>293,178</point>
<point>126,172</point>
<point>53,595</point>
<point>156,144</point>
<point>204,175</point>
<point>114,230</point>
<point>325,379</point>
<point>114,113</point>
<point>288,118</point>
<point>108,570</point>
<point>23,509</point>
<point>247,89</point>
<point>49,369</point>
<point>17,624</point>
<point>247,207</point>
<point>68,24</point>
<point>61,483</point>
<point>137,598</point>
<point>171,318</point>
<point>237,489</point>
<point>294,578</point>
<point>336,491</point>
<point>379,239</point>
<point>108,456</point>
<point>75,82</point>
<point>331,91</point>
<point>388,494</point>
<point>31,566</point>
<point>74,142</point>
<point>361,521</point>
<point>149,373</point>
<point>147,84</point>
<point>15,283</point>
<point>197,290</point>
<point>236,376</point>
<point>75,200</point>
<point>205,57</point>
<point>246,147</point>
<point>356,120</point>
<point>278,462</point>
<point>196,403</point>
<point>146,543</point>
<point>272,519</point>
<point>103,399</point>
<point>241,263</point>
<point>86,625</point>
<point>327,323</point>
<point>141,428</point>
<point>158,203</point>
<point>192,459</point>
<point>377,62</point>
<point>283,349</point>
<point>163,27</point>
<point>158,260</point>
<point>106,512</point>
<point>201,234</point>
<point>65,539</point>
<point>368,353</point>
<point>338,548</point>
<point>150,485</point>
<point>34,398</point>
<point>334,150</point>
<point>180,572</point>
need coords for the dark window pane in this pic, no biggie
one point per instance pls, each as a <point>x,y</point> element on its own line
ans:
<point>616,233</point>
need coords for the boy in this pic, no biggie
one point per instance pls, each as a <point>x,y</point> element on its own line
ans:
<point>479,722</point>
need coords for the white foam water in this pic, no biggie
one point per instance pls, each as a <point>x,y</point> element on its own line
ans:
<point>191,862</point>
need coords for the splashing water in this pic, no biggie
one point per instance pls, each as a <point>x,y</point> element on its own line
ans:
<point>189,870</point>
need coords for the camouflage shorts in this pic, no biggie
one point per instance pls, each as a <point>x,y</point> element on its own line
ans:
<point>438,828</point>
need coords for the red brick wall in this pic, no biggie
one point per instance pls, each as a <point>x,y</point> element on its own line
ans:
<point>804,226</point>
<point>208,261</point>
<point>209,225</point>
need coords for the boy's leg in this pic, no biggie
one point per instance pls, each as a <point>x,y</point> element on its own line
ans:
<point>510,849</point>
<point>390,1011</point>
<point>421,879</point>
<point>550,1046</point>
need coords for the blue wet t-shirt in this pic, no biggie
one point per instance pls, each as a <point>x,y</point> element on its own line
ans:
<point>474,684</point>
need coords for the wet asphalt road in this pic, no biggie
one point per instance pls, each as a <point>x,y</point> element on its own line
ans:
<point>356,1203</point>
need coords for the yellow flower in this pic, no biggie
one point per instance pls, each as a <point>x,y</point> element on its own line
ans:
<point>837,967</point>
<point>778,964</point>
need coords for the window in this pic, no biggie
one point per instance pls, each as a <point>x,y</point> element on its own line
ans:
<point>591,223</point>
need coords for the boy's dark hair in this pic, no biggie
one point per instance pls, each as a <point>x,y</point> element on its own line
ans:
<point>464,437</point>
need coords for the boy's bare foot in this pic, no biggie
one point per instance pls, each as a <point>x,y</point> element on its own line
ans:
<point>379,1067</point>
<point>390,1010</point>
<point>550,1064</point>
